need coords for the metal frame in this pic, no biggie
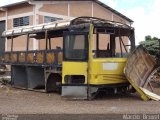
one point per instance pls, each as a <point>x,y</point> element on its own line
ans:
<point>55,51</point>
<point>86,45</point>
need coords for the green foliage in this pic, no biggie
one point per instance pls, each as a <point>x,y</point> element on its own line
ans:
<point>148,37</point>
<point>151,44</point>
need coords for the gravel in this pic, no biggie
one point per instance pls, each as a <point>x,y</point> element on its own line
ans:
<point>17,101</point>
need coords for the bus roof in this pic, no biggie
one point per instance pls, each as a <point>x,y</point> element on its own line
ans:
<point>62,25</point>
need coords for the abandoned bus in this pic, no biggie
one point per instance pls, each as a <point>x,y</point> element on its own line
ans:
<point>90,57</point>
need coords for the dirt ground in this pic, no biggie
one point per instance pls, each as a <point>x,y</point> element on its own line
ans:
<point>17,101</point>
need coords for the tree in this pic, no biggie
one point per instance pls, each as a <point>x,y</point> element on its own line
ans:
<point>148,38</point>
<point>155,38</point>
<point>151,44</point>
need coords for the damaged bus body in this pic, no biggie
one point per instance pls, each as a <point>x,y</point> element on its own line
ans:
<point>92,58</point>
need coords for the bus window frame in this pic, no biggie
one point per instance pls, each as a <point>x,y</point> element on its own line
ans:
<point>86,34</point>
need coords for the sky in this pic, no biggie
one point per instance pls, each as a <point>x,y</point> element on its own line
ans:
<point>144,13</point>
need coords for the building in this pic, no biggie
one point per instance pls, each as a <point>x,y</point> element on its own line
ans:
<point>33,12</point>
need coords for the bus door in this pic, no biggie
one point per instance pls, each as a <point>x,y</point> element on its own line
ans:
<point>75,65</point>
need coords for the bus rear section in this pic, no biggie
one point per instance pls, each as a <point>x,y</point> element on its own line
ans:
<point>40,69</point>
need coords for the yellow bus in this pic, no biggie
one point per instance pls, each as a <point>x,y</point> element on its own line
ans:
<point>91,58</point>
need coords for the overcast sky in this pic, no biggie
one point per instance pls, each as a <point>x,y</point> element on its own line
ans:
<point>144,13</point>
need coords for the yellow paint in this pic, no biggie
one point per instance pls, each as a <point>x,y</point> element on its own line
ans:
<point>93,69</point>
<point>98,75</point>
<point>90,43</point>
<point>74,68</point>
<point>143,95</point>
